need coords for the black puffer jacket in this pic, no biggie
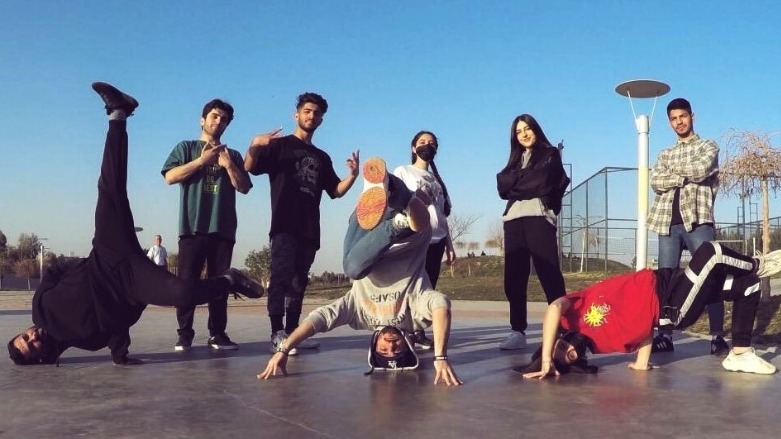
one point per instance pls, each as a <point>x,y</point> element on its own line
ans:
<point>543,178</point>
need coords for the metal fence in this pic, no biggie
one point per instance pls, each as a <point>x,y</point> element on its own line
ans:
<point>597,225</point>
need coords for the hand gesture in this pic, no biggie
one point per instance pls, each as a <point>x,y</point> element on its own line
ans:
<point>546,369</point>
<point>263,140</point>
<point>277,363</point>
<point>210,153</point>
<point>224,158</point>
<point>353,163</point>
<point>445,374</point>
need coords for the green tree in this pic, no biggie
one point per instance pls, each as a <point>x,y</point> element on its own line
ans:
<point>258,264</point>
<point>27,268</point>
<point>28,246</point>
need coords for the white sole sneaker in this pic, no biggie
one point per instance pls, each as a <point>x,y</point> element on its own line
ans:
<point>748,362</point>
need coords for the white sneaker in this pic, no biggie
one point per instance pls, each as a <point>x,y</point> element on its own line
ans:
<point>516,340</point>
<point>749,362</point>
<point>769,264</point>
<point>309,344</point>
<point>277,339</point>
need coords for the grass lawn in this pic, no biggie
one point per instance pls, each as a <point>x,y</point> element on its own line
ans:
<point>481,279</point>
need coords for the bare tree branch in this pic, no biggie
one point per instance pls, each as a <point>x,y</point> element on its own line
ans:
<point>461,225</point>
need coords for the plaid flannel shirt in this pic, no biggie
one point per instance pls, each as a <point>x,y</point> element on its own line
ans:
<point>692,166</point>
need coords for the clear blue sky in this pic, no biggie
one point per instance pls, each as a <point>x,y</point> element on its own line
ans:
<point>463,69</point>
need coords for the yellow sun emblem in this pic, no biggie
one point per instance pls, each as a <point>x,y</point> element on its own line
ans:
<point>596,315</point>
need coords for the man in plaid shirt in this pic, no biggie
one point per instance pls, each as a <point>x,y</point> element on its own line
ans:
<point>685,179</point>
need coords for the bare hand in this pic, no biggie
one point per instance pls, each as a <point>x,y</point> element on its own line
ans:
<point>353,163</point>
<point>446,374</point>
<point>546,370</point>
<point>643,367</point>
<point>224,158</point>
<point>210,153</point>
<point>263,140</point>
<point>451,256</point>
<point>277,363</point>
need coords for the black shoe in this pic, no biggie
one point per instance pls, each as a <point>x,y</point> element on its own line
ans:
<point>128,361</point>
<point>115,99</point>
<point>662,343</point>
<point>718,346</point>
<point>183,343</point>
<point>242,284</point>
<point>223,342</point>
<point>422,342</point>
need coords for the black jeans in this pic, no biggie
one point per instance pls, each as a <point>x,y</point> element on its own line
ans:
<point>530,239</point>
<point>291,259</point>
<point>715,273</point>
<point>120,260</point>
<point>216,252</point>
<point>434,261</point>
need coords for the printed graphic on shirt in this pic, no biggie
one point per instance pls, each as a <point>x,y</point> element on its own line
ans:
<point>430,186</point>
<point>307,172</point>
<point>596,315</point>
<point>210,185</point>
<point>383,309</point>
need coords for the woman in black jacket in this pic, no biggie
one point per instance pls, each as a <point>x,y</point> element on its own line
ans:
<point>533,182</point>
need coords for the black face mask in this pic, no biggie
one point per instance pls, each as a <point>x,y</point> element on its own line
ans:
<point>426,152</point>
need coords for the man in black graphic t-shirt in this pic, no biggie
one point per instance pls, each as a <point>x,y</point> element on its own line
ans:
<point>298,172</point>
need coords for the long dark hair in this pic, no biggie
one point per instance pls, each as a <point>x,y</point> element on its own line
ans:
<point>578,341</point>
<point>516,150</point>
<point>434,170</point>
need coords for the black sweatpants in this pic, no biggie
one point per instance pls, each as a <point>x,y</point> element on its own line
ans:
<point>715,273</point>
<point>116,243</point>
<point>528,239</point>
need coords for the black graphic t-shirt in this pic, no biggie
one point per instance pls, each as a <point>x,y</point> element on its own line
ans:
<point>298,174</point>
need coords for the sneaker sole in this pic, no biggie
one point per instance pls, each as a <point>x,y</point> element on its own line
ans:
<point>182,348</point>
<point>224,348</point>
<point>374,199</point>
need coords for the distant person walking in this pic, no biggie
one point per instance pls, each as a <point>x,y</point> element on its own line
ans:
<point>533,182</point>
<point>685,179</point>
<point>157,253</point>
<point>423,175</point>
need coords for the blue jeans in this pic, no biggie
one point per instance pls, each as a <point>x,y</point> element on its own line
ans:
<point>362,248</point>
<point>670,250</point>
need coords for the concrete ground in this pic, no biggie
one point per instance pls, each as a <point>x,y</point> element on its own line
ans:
<point>206,394</point>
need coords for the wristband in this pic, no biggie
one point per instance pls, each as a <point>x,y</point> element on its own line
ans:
<point>440,357</point>
<point>283,350</point>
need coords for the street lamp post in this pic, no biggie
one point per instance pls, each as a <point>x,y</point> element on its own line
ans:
<point>40,276</point>
<point>642,88</point>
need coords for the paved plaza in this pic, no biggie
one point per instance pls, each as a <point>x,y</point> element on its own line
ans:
<point>207,394</point>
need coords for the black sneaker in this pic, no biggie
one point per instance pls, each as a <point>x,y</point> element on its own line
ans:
<point>718,346</point>
<point>662,343</point>
<point>222,342</point>
<point>242,284</point>
<point>183,343</point>
<point>115,99</point>
<point>422,342</point>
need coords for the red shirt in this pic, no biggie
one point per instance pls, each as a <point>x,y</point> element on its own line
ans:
<point>617,314</point>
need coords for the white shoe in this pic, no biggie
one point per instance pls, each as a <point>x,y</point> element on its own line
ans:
<point>309,344</point>
<point>769,264</point>
<point>277,339</point>
<point>749,362</point>
<point>516,340</point>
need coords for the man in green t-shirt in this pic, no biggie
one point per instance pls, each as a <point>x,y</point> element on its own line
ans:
<point>209,174</point>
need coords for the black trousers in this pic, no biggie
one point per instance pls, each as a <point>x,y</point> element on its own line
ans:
<point>530,239</point>
<point>116,245</point>
<point>216,252</point>
<point>715,273</point>
<point>434,261</point>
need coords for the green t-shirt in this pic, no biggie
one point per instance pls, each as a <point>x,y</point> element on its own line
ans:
<point>207,202</point>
